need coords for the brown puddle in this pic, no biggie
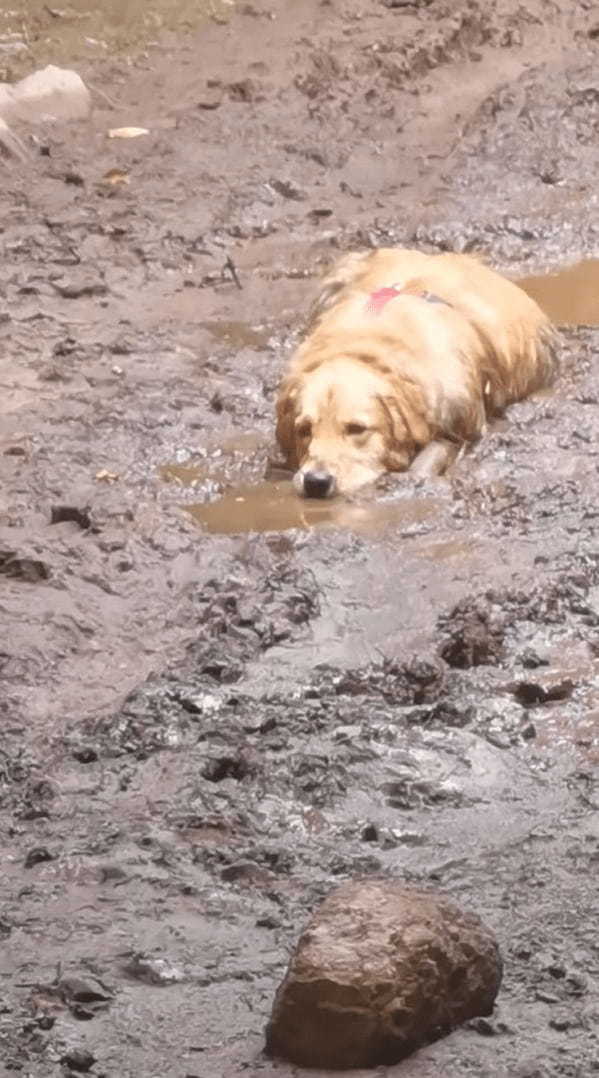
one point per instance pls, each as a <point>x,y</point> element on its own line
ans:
<point>276,507</point>
<point>571,296</point>
<point>239,334</point>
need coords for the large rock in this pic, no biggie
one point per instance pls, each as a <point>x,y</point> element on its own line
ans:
<point>380,970</point>
<point>47,96</point>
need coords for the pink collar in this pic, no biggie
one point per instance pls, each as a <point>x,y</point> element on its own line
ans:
<point>379,299</point>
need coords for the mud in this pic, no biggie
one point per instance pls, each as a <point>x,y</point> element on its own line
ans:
<point>35,33</point>
<point>570,297</point>
<point>275,507</point>
<point>203,732</point>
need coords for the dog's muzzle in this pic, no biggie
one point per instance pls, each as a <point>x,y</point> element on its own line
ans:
<point>316,484</point>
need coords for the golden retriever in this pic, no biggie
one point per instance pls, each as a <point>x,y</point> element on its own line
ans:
<point>405,350</point>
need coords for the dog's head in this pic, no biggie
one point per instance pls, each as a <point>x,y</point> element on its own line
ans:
<point>344,424</point>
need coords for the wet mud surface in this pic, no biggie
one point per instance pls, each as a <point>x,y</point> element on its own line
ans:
<point>202,733</point>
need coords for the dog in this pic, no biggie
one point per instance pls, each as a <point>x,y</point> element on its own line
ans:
<point>405,353</point>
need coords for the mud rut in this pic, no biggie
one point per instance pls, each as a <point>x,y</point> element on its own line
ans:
<point>202,734</point>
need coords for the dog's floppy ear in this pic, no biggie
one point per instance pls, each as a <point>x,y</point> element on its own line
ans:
<point>408,431</point>
<point>287,402</point>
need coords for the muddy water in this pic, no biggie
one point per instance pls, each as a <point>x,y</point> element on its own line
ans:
<point>239,334</point>
<point>35,33</point>
<point>275,506</point>
<point>571,296</point>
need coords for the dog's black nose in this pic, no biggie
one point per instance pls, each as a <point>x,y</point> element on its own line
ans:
<point>318,484</point>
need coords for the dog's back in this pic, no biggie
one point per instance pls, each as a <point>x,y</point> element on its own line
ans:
<point>405,349</point>
<point>483,322</point>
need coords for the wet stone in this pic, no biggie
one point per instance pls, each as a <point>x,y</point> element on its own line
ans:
<point>380,970</point>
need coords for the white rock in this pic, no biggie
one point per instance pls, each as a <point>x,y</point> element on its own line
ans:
<point>49,95</point>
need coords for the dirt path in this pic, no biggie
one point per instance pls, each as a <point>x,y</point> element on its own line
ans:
<point>415,696</point>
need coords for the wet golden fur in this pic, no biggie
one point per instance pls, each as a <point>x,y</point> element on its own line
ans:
<point>365,392</point>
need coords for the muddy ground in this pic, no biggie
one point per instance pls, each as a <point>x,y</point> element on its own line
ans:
<point>203,733</point>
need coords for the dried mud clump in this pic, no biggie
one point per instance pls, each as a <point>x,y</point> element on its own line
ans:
<point>415,681</point>
<point>379,971</point>
<point>473,635</point>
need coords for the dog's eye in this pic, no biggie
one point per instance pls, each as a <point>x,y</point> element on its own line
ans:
<point>304,429</point>
<point>355,428</point>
